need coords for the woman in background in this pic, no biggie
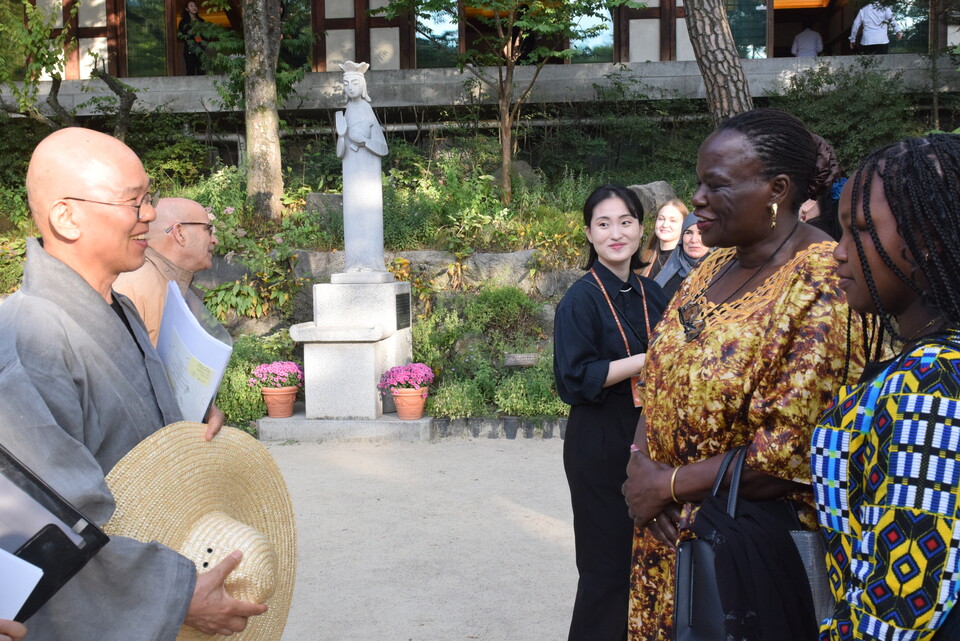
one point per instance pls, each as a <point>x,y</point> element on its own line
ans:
<point>666,236</point>
<point>886,453</point>
<point>193,45</point>
<point>684,258</point>
<point>601,331</point>
<point>820,210</point>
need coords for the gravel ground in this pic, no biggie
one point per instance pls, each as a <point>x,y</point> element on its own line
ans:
<point>443,541</point>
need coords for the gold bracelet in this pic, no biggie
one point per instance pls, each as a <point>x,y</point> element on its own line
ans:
<point>673,484</point>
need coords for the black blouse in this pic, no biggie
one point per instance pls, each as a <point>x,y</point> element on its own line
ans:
<point>586,338</point>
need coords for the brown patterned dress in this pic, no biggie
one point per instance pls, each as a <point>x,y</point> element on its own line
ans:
<point>760,372</point>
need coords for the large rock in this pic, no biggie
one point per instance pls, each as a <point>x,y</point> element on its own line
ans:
<point>652,195</point>
<point>318,266</point>
<point>554,285</point>
<point>434,264</point>
<point>520,171</point>
<point>501,270</point>
<point>329,206</point>
<point>225,269</point>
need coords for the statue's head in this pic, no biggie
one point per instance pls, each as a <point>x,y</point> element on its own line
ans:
<point>354,83</point>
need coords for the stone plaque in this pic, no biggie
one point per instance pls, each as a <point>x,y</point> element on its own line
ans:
<point>403,310</point>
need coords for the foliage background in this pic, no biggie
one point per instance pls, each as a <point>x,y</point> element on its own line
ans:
<point>441,192</point>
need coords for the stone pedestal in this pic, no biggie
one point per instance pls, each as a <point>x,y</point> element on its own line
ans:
<point>359,331</point>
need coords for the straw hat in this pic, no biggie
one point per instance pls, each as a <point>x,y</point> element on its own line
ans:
<point>205,500</point>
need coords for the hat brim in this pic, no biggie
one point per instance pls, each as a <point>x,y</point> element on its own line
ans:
<point>173,478</point>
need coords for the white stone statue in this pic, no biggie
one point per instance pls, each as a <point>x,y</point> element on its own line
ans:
<point>361,145</point>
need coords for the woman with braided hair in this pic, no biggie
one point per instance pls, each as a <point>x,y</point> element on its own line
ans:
<point>820,210</point>
<point>748,353</point>
<point>886,454</point>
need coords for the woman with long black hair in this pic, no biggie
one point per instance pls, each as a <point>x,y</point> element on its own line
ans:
<point>601,332</point>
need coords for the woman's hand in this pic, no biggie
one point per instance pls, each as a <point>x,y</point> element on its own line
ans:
<point>647,488</point>
<point>665,527</point>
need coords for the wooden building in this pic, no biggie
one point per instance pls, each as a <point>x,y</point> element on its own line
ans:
<point>137,38</point>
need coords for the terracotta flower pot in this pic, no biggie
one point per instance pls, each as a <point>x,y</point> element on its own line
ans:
<point>409,402</point>
<point>279,400</point>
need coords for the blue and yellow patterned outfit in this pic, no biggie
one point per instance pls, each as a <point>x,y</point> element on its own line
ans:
<point>886,473</point>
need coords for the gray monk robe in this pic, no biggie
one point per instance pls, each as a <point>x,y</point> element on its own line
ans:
<point>76,395</point>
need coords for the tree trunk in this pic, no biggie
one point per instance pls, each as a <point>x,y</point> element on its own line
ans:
<point>261,31</point>
<point>717,57</point>
<point>937,13</point>
<point>506,151</point>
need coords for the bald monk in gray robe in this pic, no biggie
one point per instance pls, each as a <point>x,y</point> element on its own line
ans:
<point>81,385</point>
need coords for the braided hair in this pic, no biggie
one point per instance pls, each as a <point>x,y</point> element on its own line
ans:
<point>783,145</point>
<point>921,184</point>
<point>634,206</point>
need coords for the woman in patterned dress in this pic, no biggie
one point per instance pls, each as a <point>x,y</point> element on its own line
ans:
<point>749,351</point>
<point>886,455</point>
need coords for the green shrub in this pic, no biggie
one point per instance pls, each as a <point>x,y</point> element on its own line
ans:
<point>224,191</point>
<point>313,164</point>
<point>14,211</point>
<point>180,160</point>
<point>18,137</point>
<point>856,108</point>
<point>459,398</point>
<point>465,339</point>
<point>13,253</point>
<point>435,336</point>
<point>256,243</point>
<point>531,392</point>
<point>409,220</point>
<point>502,312</point>
<point>242,404</point>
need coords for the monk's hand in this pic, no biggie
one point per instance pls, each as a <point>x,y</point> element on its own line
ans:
<point>647,488</point>
<point>212,610</point>
<point>664,527</point>
<point>11,630</point>
<point>214,421</point>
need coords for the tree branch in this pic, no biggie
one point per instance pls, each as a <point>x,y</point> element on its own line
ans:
<point>30,113</point>
<point>127,98</point>
<point>53,101</point>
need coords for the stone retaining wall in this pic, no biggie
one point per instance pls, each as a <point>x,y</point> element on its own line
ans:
<point>508,427</point>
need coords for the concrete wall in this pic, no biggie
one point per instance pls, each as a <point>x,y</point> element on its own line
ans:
<point>435,87</point>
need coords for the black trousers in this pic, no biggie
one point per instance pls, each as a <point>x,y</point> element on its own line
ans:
<point>192,60</point>
<point>596,450</point>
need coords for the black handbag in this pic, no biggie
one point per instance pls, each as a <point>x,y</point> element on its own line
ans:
<point>742,577</point>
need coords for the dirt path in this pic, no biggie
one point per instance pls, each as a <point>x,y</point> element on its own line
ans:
<point>457,539</point>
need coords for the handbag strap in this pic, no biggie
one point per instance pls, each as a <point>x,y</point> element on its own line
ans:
<point>724,464</point>
<point>735,481</point>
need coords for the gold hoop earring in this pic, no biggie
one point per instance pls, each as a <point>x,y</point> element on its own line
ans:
<point>773,216</point>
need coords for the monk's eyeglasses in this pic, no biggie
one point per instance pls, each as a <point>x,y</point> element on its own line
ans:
<point>146,200</point>
<point>207,227</point>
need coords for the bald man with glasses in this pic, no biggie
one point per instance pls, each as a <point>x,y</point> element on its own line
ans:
<point>180,242</point>
<point>81,386</point>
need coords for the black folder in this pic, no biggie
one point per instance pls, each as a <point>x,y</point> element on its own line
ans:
<point>40,527</point>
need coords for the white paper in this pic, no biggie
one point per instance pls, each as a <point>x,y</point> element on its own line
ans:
<point>19,580</point>
<point>194,349</point>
